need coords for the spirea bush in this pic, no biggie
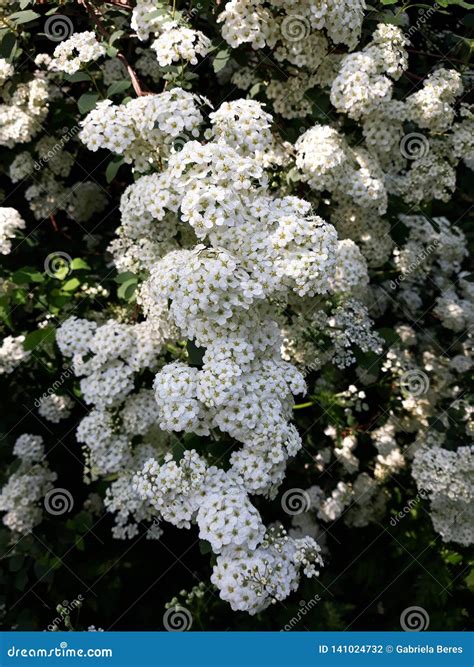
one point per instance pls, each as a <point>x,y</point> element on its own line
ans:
<point>237,315</point>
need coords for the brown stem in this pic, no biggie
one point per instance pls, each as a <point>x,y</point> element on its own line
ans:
<point>133,77</point>
<point>53,222</point>
<point>95,14</point>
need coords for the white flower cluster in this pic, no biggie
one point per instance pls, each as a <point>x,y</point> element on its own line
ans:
<point>243,288</point>
<point>79,49</point>
<point>366,228</point>
<point>122,498</point>
<point>177,43</point>
<point>283,23</point>
<point>23,110</point>
<point>145,128</point>
<point>21,496</point>
<point>55,407</point>
<point>49,191</point>
<point>117,351</point>
<point>327,162</point>
<point>363,82</point>
<point>253,568</point>
<point>446,476</point>
<point>6,70</point>
<point>358,503</point>
<point>329,333</point>
<point>431,107</point>
<point>12,353</point>
<point>251,580</point>
<point>110,356</point>
<point>10,222</point>
<point>218,295</point>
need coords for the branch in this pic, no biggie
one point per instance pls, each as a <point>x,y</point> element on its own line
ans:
<point>96,15</point>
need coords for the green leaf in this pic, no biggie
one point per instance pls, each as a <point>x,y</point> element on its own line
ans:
<point>71,285</point>
<point>112,168</point>
<point>8,44</point>
<point>27,275</point>
<point>5,311</point>
<point>116,35</point>
<point>470,580</point>
<point>204,547</point>
<point>389,335</point>
<point>220,60</point>
<point>77,77</point>
<point>87,101</point>
<point>35,338</point>
<point>123,277</point>
<point>195,353</point>
<point>118,87</point>
<point>127,289</point>
<point>111,51</point>
<point>24,17</point>
<point>79,264</point>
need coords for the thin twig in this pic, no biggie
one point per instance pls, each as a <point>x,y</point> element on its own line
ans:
<point>95,15</point>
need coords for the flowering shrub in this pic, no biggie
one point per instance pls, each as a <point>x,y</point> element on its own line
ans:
<point>237,314</point>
